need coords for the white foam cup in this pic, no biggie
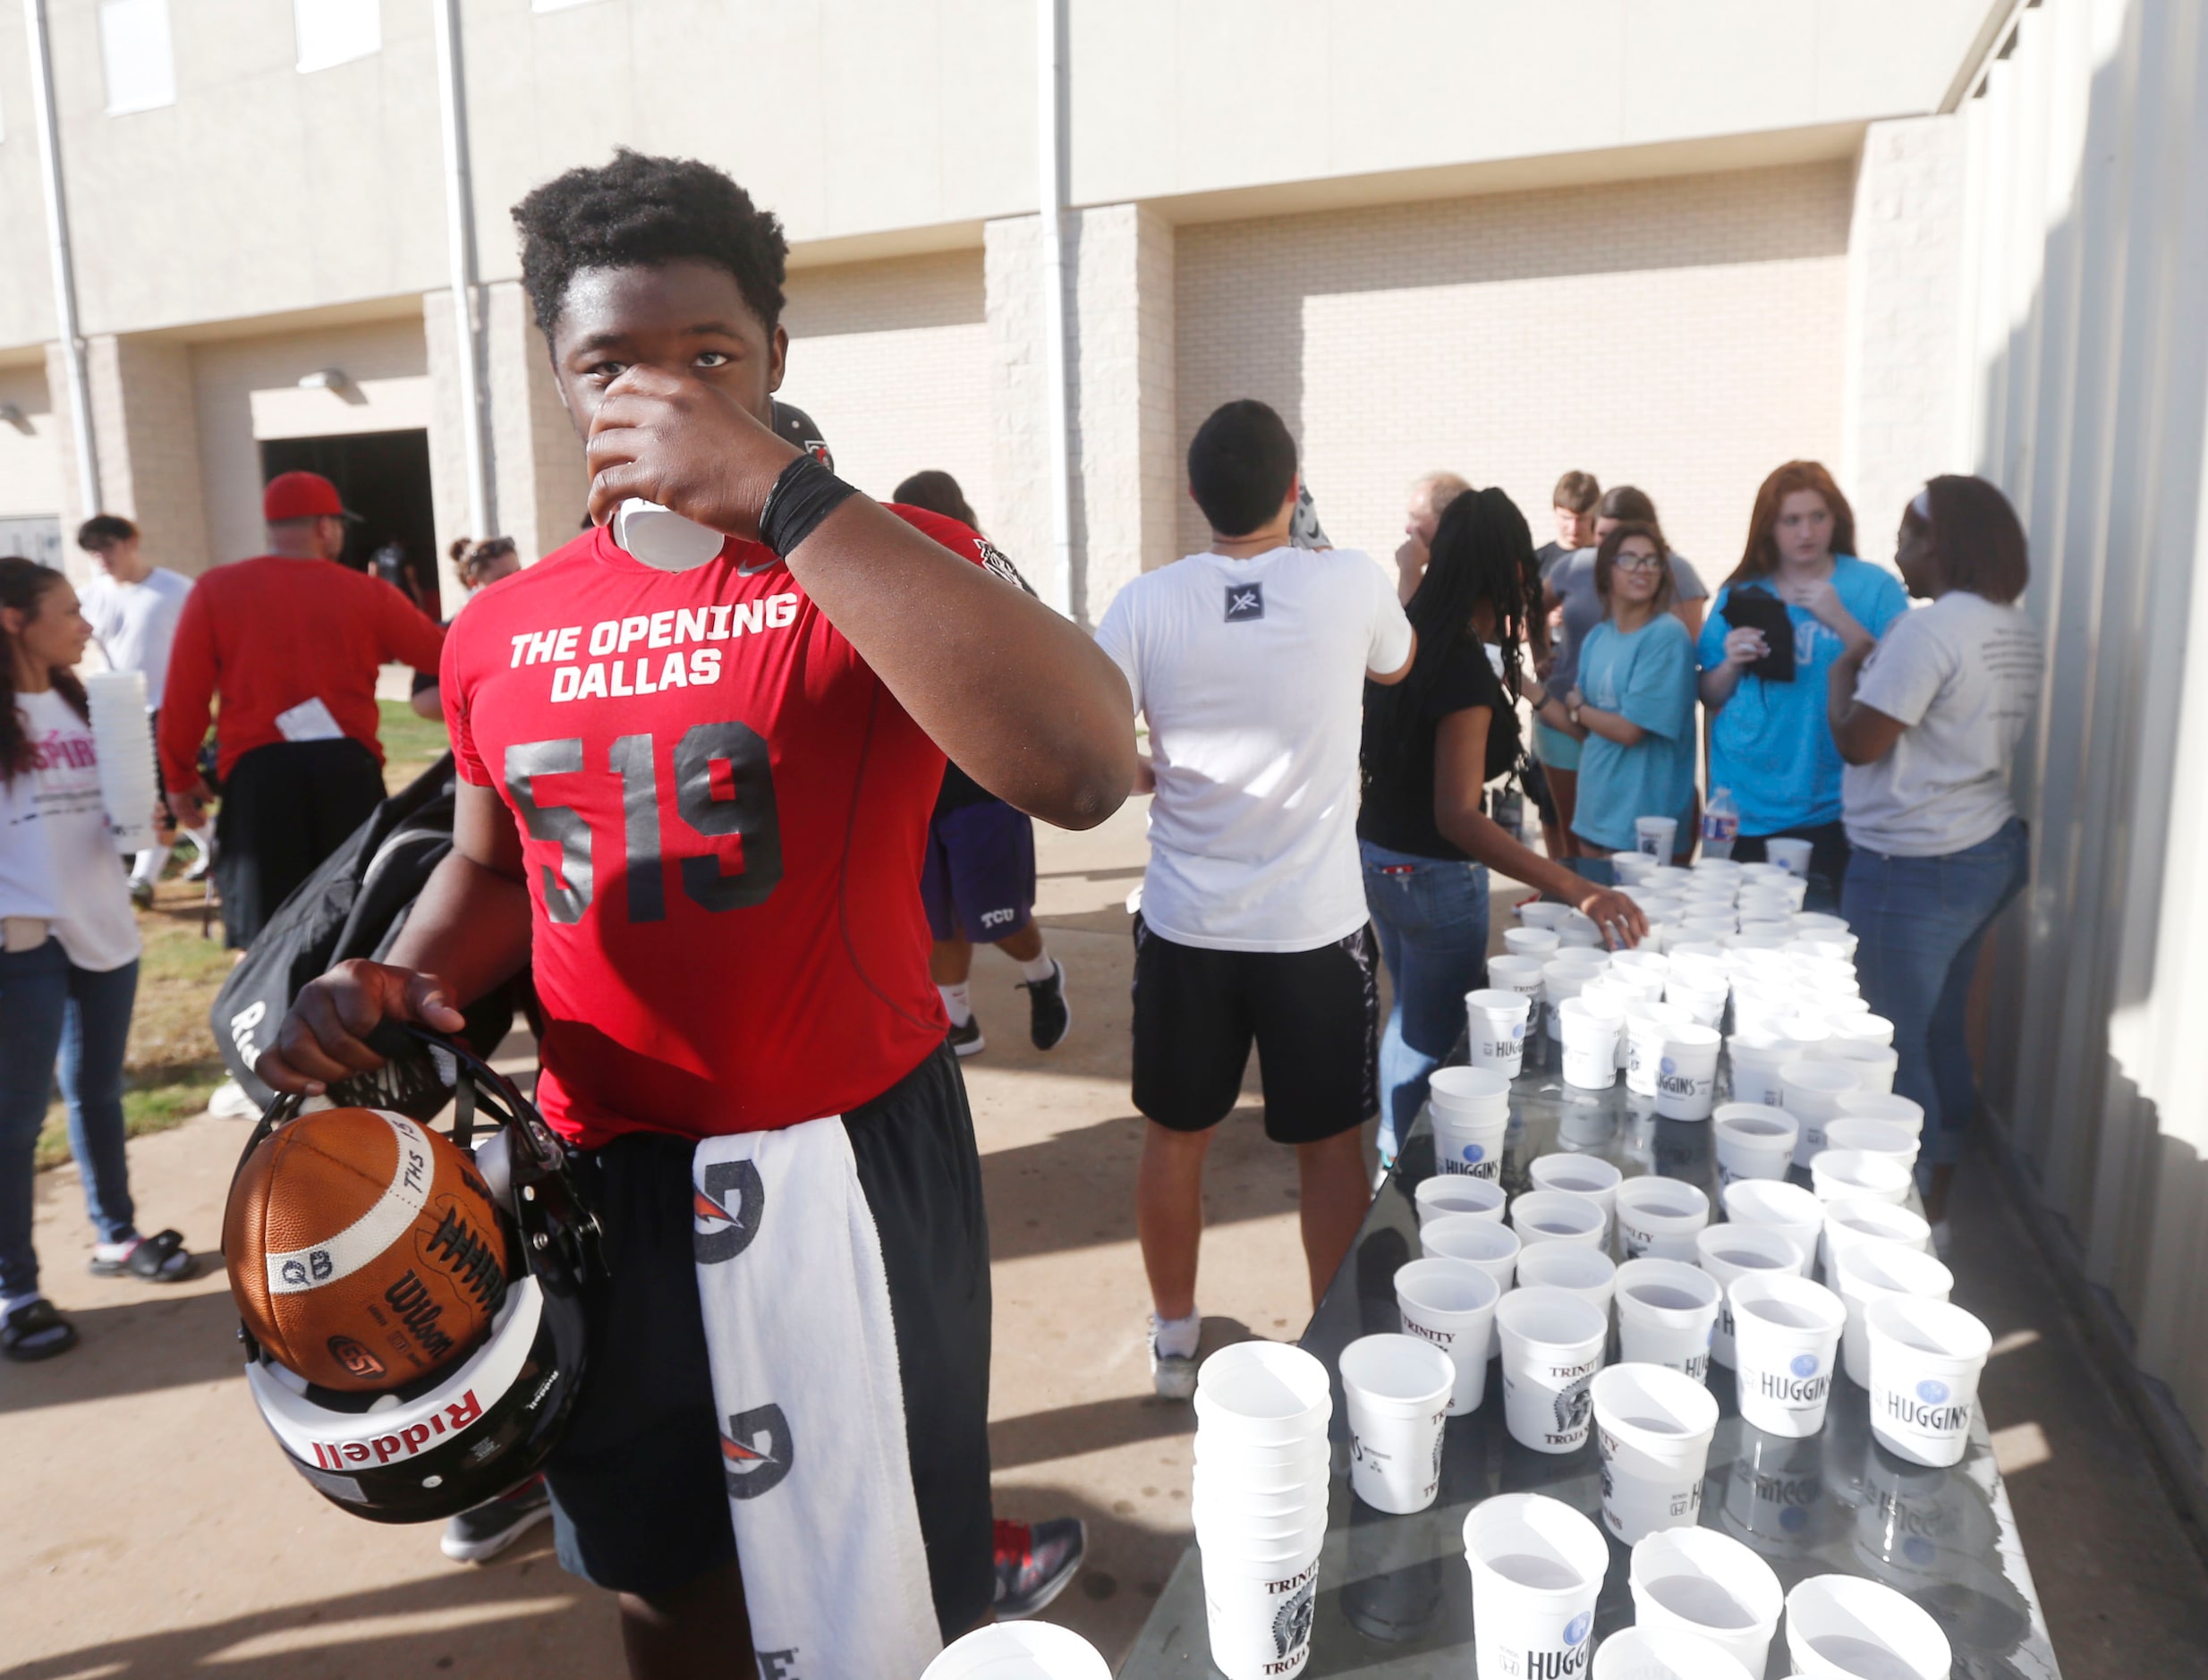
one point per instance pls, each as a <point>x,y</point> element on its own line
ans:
<point>1542,912</point>
<point>1730,1251</point>
<point>1667,1314</point>
<point>1277,1476</point>
<point>1632,867</point>
<point>1704,1000</point>
<point>1588,1176</point>
<point>1757,1053</point>
<point>1577,932</point>
<point>1451,1303</point>
<point>1556,1216</point>
<point>1820,921</point>
<point>1259,1613</point>
<point>1562,978</point>
<point>1880,1105</point>
<point>1020,1650</point>
<point>1641,963</point>
<point>1264,1394</point>
<point>1396,1390</point>
<point>1648,1025</point>
<point>1686,1072</point>
<point>1864,1028</point>
<point>1654,837</point>
<point>1645,1653</point>
<point>1786,1340</point>
<point>1488,1244</point>
<point>1589,1029</point>
<point>1657,1217</point>
<point>1586,1272</point>
<point>1811,1088</point>
<point>1537,1568</point>
<point>1873,1065</point>
<point>1456,1193</point>
<point>1520,974</point>
<point>1888,1138</point>
<point>1653,1426</point>
<point>1926,1357</point>
<point>1533,940</point>
<point>1795,1213</point>
<point>1790,855</point>
<point>1552,1346</point>
<point>1754,1141</point>
<point>1856,1175</point>
<point>1842,1627</point>
<point>1471,1110</point>
<point>1868,1220</point>
<point>1495,1022</point>
<point>1698,1581</point>
<point>1870,1272</point>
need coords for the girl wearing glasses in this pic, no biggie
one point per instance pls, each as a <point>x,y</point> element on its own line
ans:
<point>1634,703</point>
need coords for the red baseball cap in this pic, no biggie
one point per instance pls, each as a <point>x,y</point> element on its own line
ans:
<point>301,496</point>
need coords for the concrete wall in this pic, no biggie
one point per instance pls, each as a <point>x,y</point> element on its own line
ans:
<point>29,461</point>
<point>2087,351</point>
<point>895,123</point>
<point>1684,336</point>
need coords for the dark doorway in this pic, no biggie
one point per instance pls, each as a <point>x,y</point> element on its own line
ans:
<point>384,477</point>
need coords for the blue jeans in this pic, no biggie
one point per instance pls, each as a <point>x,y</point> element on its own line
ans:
<point>55,1016</point>
<point>1430,915</point>
<point>1919,923</point>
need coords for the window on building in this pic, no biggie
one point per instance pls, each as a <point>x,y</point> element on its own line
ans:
<point>134,45</point>
<point>335,31</point>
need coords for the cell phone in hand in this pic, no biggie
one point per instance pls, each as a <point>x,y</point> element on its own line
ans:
<point>1756,607</point>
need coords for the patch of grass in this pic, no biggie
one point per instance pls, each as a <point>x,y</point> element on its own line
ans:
<point>411,745</point>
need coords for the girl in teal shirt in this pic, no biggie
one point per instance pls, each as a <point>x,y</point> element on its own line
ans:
<point>1634,703</point>
<point>1770,743</point>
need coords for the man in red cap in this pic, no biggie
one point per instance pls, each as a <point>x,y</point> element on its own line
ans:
<point>292,644</point>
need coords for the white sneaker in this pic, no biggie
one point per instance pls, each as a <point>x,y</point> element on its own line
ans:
<point>230,1102</point>
<point>1172,1375</point>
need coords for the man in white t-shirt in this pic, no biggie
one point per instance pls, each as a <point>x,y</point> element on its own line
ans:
<point>133,607</point>
<point>1249,662</point>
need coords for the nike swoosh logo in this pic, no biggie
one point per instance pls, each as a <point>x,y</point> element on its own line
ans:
<point>753,572</point>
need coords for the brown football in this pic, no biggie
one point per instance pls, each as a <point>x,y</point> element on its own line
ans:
<point>364,1249</point>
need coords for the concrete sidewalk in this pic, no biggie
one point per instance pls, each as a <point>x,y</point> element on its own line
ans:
<point>155,1532</point>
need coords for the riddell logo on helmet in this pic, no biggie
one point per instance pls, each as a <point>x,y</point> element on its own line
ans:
<point>400,1444</point>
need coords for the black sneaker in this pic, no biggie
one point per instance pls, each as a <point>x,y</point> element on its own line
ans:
<point>967,1040</point>
<point>1034,1561</point>
<point>1050,1017</point>
<point>480,1535</point>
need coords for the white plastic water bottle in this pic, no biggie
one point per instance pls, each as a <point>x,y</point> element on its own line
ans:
<point>664,539</point>
<point>1720,824</point>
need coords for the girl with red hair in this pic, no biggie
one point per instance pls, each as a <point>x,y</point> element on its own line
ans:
<point>1769,745</point>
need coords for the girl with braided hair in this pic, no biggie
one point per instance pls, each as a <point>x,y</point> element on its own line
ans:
<point>1432,743</point>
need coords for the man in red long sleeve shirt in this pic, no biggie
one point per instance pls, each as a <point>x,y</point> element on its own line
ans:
<point>291,643</point>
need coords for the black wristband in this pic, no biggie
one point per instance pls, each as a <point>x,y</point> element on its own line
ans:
<point>805,494</point>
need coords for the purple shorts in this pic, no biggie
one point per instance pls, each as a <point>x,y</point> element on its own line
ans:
<point>978,880</point>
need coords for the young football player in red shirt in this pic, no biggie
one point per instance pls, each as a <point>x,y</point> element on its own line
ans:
<point>696,800</point>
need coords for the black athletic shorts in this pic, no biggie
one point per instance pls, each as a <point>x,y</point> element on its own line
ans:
<point>284,808</point>
<point>1313,1014</point>
<point>639,1499</point>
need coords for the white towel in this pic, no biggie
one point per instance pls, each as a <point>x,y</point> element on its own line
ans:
<point>804,1356</point>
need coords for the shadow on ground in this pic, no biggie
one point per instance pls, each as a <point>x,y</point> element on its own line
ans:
<point>134,1347</point>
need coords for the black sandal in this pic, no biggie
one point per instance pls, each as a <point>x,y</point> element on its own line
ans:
<point>160,1259</point>
<point>31,1332</point>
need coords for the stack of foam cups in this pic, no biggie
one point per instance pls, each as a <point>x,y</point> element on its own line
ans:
<point>1471,1108</point>
<point>1020,1650</point>
<point>1654,1427</point>
<point>1537,1568</point>
<point>1398,1391</point>
<point>1259,1503</point>
<point>123,740</point>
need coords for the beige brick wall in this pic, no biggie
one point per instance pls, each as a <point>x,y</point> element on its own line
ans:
<point>30,463</point>
<point>145,435</point>
<point>892,359</point>
<point>1684,335</point>
<point>1903,407</point>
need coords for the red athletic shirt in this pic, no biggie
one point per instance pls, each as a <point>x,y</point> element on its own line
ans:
<point>272,633</point>
<point>722,812</point>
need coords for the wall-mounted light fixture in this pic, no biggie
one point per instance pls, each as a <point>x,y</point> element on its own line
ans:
<point>325,379</point>
<point>11,415</point>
